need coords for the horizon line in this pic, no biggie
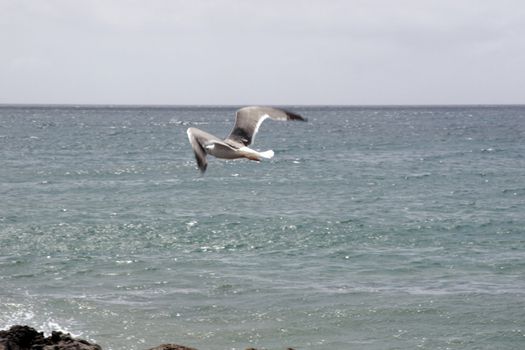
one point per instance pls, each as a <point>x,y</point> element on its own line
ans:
<point>131,105</point>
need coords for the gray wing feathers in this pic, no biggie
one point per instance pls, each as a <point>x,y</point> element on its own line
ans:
<point>248,120</point>
<point>198,140</point>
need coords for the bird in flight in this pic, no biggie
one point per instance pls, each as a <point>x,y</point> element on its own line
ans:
<point>247,123</point>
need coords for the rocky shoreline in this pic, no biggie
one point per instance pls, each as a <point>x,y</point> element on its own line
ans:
<point>27,338</point>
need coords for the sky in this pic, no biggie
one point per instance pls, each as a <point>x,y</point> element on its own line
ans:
<point>271,52</point>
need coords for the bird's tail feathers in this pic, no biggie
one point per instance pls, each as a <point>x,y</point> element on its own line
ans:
<point>267,154</point>
<point>255,155</point>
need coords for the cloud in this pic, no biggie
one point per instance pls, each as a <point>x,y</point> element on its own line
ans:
<point>271,52</point>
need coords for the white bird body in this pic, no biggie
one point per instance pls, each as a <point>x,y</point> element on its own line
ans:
<point>247,123</point>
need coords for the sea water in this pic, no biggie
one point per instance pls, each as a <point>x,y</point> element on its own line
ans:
<point>371,228</point>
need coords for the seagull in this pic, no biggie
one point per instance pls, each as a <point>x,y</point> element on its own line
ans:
<point>247,123</point>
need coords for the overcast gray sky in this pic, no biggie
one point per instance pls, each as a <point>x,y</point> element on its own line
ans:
<point>276,52</point>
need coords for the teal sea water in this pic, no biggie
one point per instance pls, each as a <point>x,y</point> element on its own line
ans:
<point>371,228</point>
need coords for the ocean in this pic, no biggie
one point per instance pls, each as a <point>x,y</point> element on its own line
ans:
<point>396,227</point>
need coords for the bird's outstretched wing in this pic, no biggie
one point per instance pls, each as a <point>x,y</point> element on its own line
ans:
<point>248,120</point>
<point>198,140</point>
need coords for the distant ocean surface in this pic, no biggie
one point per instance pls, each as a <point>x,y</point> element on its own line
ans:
<point>371,228</point>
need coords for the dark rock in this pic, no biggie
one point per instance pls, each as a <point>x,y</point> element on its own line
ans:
<point>170,347</point>
<point>19,338</point>
<point>27,338</point>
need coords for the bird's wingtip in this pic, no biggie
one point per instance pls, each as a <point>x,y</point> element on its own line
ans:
<point>295,116</point>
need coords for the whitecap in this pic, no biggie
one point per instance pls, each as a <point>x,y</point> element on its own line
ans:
<point>191,223</point>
